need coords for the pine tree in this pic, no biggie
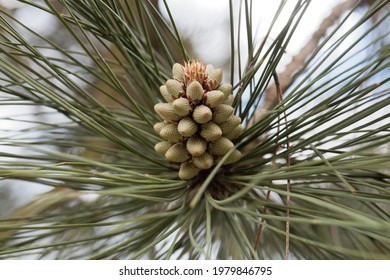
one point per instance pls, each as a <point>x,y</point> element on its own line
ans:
<point>300,170</point>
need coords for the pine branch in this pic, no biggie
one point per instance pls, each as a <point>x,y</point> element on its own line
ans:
<point>328,136</point>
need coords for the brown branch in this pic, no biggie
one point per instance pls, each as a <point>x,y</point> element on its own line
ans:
<point>279,95</point>
<point>260,229</point>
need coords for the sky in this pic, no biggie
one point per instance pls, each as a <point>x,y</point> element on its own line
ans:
<point>208,21</point>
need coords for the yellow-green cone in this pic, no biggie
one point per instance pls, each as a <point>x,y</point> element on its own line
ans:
<point>222,112</point>
<point>178,72</point>
<point>213,98</point>
<point>188,170</point>
<point>162,147</point>
<point>215,78</point>
<point>196,145</point>
<point>204,161</point>
<point>182,106</point>
<point>221,146</point>
<point>226,89</point>
<point>202,114</point>
<point>164,92</point>
<point>234,156</point>
<point>233,134</point>
<point>230,124</point>
<point>228,100</point>
<point>158,126</point>
<point>177,153</point>
<point>187,127</point>
<point>170,133</point>
<point>210,131</point>
<point>209,68</point>
<point>166,112</point>
<point>175,88</point>
<point>195,92</point>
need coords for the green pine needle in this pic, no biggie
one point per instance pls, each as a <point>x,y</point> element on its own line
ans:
<point>83,126</point>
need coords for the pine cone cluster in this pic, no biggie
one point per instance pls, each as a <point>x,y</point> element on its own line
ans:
<point>199,124</point>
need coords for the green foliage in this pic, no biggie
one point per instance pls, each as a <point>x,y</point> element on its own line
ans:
<point>318,162</point>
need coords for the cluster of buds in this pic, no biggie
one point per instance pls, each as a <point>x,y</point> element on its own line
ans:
<point>199,125</point>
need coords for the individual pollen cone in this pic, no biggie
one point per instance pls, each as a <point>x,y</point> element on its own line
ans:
<point>204,161</point>
<point>210,131</point>
<point>196,145</point>
<point>195,92</point>
<point>213,98</point>
<point>221,146</point>
<point>233,157</point>
<point>209,68</point>
<point>226,89</point>
<point>170,133</point>
<point>187,127</point>
<point>222,112</point>
<point>214,78</point>
<point>188,170</point>
<point>228,100</point>
<point>178,72</point>
<point>202,114</point>
<point>158,126</point>
<point>166,111</point>
<point>230,124</point>
<point>182,106</point>
<point>175,88</point>
<point>162,147</point>
<point>164,92</point>
<point>233,134</point>
<point>177,153</point>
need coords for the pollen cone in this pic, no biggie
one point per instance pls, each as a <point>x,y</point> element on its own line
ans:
<point>196,145</point>
<point>202,114</point>
<point>188,170</point>
<point>198,122</point>
<point>177,153</point>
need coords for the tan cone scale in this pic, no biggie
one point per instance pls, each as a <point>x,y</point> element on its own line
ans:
<point>199,125</point>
